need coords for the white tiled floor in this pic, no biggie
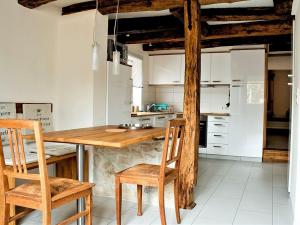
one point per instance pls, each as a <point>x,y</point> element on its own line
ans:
<point>228,192</point>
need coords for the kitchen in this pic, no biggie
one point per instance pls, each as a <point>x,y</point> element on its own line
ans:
<point>53,64</point>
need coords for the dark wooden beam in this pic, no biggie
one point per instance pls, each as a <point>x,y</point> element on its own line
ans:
<point>109,6</point>
<point>79,7</point>
<point>279,40</point>
<point>145,25</point>
<point>261,28</point>
<point>152,37</point>
<point>213,32</point>
<point>191,112</point>
<point>31,4</point>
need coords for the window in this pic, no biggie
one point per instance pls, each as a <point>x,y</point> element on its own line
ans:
<point>137,77</point>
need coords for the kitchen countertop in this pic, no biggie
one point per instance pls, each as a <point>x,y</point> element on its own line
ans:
<point>151,114</point>
<point>210,114</point>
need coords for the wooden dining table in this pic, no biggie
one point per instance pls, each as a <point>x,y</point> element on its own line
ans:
<point>103,136</point>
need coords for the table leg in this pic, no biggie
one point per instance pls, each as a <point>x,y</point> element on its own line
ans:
<point>80,172</point>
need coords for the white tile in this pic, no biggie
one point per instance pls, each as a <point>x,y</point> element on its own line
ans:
<point>164,90</point>
<point>256,202</point>
<point>281,196</point>
<point>150,214</point>
<point>105,207</point>
<point>252,218</point>
<point>178,97</point>
<point>282,214</point>
<point>223,208</point>
<point>164,97</point>
<point>187,216</point>
<point>229,190</point>
<point>212,221</point>
<point>280,181</point>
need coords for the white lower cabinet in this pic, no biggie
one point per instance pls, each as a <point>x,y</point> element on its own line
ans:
<point>156,121</point>
<point>218,135</point>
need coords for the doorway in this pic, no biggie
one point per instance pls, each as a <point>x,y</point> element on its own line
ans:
<point>278,116</point>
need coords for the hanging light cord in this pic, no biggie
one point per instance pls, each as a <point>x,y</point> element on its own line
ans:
<point>116,25</point>
<point>95,21</point>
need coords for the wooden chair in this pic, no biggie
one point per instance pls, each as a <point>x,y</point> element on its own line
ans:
<point>39,192</point>
<point>155,175</point>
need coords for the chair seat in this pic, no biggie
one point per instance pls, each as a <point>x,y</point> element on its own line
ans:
<point>30,193</point>
<point>144,174</point>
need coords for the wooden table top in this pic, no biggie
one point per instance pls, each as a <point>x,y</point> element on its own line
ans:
<point>98,136</point>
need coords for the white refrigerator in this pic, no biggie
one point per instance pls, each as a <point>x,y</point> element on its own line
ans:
<point>119,95</point>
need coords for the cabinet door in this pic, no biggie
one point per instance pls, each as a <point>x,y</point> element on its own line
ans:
<point>165,69</point>
<point>220,68</point>
<point>182,70</point>
<point>205,68</point>
<point>248,65</point>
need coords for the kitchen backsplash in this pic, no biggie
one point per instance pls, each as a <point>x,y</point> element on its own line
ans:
<point>170,95</point>
<point>213,99</point>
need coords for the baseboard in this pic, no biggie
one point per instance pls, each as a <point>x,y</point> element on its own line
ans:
<point>227,157</point>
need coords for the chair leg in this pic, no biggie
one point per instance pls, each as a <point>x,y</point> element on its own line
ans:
<point>176,199</point>
<point>46,217</point>
<point>89,208</point>
<point>161,191</point>
<point>4,214</point>
<point>140,199</point>
<point>118,200</point>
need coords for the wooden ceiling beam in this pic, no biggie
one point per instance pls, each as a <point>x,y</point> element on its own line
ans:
<point>31,4</point>
<point>277,42</point>
<point>130,26</point>
<point>110,6</point>
<point>262,28</point>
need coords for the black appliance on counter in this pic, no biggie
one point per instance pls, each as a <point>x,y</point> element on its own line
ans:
<point>203,132</point>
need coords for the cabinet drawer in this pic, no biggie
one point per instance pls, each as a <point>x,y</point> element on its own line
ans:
<point>225,119</point>
<point>217,138</point>
<point>217,149</point>
<point>142,120</point>
<point>218,127</point>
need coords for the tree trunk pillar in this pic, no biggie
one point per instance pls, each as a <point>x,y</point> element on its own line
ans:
<point>191,111</point>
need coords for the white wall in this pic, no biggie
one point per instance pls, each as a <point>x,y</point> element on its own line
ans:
<point>295,156</point>
<point>279,62</point>
<point>27,53</point>
<point>79,92</point>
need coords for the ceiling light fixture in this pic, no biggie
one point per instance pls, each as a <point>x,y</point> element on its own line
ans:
<point>95,46</point>
<point>116,53</point>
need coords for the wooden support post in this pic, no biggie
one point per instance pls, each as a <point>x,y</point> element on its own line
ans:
<point>189,160</point>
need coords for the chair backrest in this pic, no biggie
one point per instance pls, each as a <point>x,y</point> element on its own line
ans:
<point>173,144</point>
<point>18,169</point>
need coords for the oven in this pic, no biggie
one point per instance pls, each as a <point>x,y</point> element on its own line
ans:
<point>203,132</point>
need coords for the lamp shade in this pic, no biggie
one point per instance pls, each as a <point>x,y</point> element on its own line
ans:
<point>95,57</point>
<point>116,62</point>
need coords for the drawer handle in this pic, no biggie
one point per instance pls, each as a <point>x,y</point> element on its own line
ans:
<point>236,80</point>
<point>216,81</point>
<point>219,118</point>
<point>236,86</point>
<point>218,124</point>
<point>218,135</point>
<point>161,117</point>
<point>145,119</point>
<point>217,146</point>
<point>204,81</point>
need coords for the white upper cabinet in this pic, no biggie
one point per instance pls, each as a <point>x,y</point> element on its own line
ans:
<point>165,69</point>
<point>248,65</point>
<point>220,68</point>
<point>205,68</point>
